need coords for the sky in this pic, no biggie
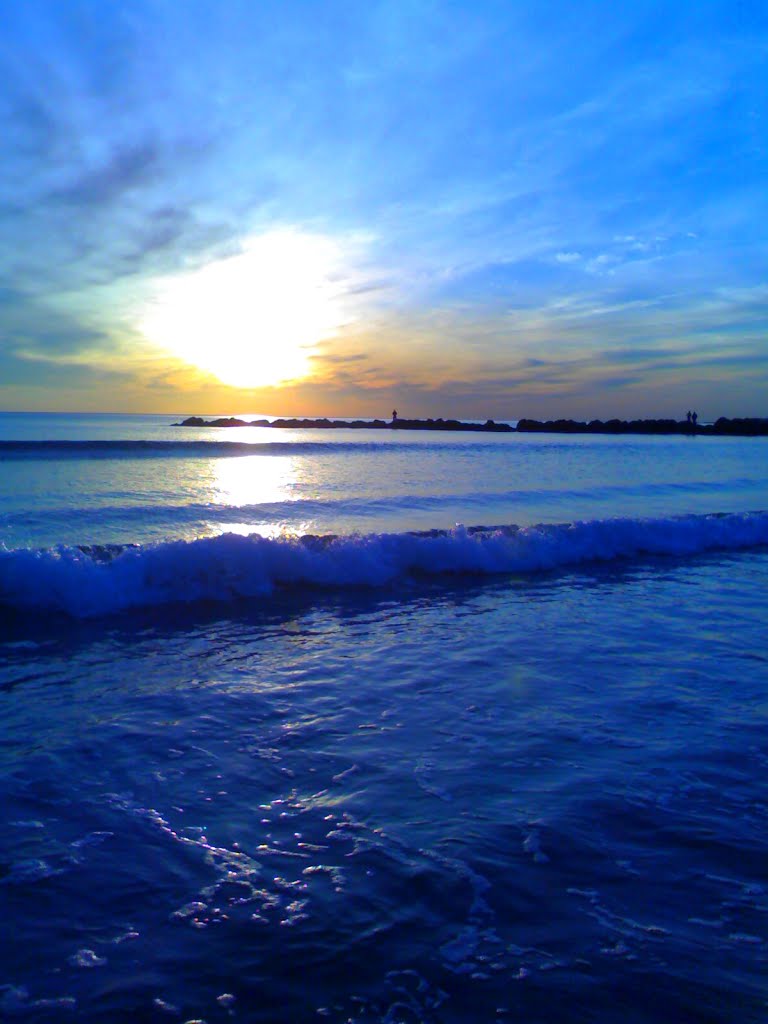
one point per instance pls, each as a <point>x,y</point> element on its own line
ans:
<point>474,209</point>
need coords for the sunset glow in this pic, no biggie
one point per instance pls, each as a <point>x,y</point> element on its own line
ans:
<point>472,209</point>
<point>250,319</point>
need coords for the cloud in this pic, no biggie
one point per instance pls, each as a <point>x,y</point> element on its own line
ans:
<point>543,198</point>
<point>124,170</point>
<point>340,359</point>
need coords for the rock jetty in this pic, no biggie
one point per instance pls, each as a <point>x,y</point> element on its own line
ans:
<point>322,424</point>
<point>723,427</point>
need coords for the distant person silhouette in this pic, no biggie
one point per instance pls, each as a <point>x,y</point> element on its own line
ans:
<point>394,415</point>
<point>694,417</point>
<point>688,417</point>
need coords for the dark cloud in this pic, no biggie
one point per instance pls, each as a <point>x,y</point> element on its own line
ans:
<point>123,170</point>
<point>34,130</point>
<point>616,383</point>
<point>28,323</point>
<point>340,359</point>
<point>44,372</point>
<point>161,238</point>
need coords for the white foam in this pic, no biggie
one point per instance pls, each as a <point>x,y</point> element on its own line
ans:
<point>86,958</point>
<point>89,583</point>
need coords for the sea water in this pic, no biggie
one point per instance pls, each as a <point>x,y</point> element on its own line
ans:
<point>347,725</point>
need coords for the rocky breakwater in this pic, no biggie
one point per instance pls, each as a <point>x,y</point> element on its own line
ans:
<point>723,427</point>
<point>490,426</point>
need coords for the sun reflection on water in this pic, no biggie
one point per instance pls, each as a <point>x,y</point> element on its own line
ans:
<point>252,482</point>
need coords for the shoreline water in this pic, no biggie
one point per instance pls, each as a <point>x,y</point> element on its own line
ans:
<point>270,711</point>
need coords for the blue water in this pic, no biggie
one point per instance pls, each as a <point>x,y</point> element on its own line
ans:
<point>299,727</point>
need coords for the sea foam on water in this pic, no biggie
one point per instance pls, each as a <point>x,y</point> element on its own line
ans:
<point>103,580</point>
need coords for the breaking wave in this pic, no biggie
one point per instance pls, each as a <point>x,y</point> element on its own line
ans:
<point>103,579</point>
<point>145,449</point>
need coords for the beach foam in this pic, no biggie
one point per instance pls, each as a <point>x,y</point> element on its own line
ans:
<point>86,582</point>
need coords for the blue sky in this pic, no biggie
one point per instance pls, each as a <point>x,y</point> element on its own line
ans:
<point>478,209</point>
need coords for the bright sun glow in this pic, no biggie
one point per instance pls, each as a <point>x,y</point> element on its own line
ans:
<point>252,319</point>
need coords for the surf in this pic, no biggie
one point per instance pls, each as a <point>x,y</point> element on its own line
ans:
<point>88,581</point>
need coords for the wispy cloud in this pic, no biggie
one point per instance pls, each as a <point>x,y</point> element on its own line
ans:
<point>558,200</point>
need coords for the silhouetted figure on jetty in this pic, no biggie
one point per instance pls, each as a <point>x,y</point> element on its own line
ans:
<point>688,417</point>
<point>694,418</point>
<point>394,415</point>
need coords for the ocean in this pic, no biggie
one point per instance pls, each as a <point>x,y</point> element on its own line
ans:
<point>350,726</point>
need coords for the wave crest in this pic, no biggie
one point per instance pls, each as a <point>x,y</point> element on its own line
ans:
<point>88,582</point>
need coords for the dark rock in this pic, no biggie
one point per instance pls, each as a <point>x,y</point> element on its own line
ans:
<point>323,423</point>
<point>723,427</point>
<point>741,427</point>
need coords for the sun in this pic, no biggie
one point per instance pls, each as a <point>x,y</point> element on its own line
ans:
<point>251,319</point>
